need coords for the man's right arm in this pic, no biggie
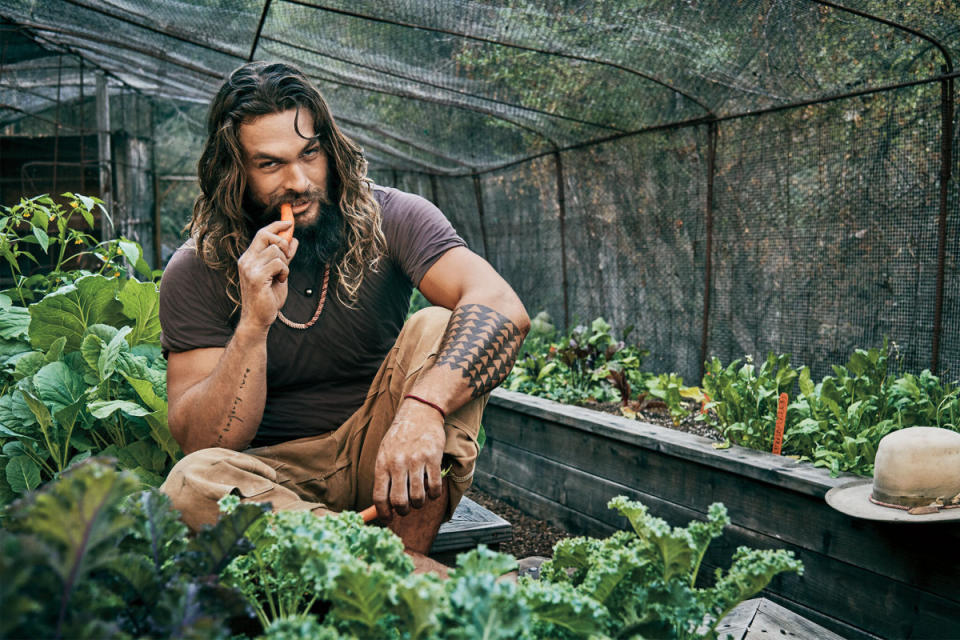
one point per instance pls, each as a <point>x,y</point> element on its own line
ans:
<point>216,395</point>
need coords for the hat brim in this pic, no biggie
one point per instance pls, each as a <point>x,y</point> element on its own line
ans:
<point>853,499</point>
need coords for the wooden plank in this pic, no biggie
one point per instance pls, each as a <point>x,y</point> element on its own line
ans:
<point>471,525</point>
<point>825,586</point>
<point>889,549</point>
<point>774,621</point>
<point>735,624</point>
<point>786,472</point>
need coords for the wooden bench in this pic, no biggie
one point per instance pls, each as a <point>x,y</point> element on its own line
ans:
<point>761,619</point>
<point>470,525</point>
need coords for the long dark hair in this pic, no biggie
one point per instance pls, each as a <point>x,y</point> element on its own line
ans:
<point>222,228</point>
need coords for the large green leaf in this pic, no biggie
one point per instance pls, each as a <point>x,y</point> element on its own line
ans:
<point>22,474</point>
<point>141,303</point>
<point>14,322</point>
<point>107,362</point>
<point>58,385</point>
<point>105,408</point>
<point>71,309</point>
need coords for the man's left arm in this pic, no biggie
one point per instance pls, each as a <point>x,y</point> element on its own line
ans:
<point>486,328</point>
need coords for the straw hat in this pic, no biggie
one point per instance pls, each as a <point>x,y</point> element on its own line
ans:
<point>916,478</point>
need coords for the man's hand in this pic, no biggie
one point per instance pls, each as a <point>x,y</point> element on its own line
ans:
<point>263,270</point>
<point>407,471</point>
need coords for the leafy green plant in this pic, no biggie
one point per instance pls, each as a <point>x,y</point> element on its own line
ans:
<point>89,557</point>
<point>585,366</point>
<point>743,398</point>
<point>40,223</point>
<point>679,399</point>
<point>647,579</point>
<point>92,381</point>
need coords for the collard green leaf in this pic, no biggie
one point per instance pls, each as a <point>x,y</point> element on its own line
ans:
<point>141,303</point>
<point>14,323</point>
<point>56,349</point>
<point>105,408</point>
<point>58,386</point>
<point>71,309</point>
<point>107,362</point>
<point>28,364</point>
<point>22,474</point>
<point>143,455</point>
<point>39,410</point>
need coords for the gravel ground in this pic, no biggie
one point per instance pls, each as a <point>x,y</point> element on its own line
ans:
<point>534,537</point>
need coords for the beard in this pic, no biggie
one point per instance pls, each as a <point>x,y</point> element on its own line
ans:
<point>320,243</point>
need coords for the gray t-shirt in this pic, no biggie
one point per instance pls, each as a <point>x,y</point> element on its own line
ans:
<point>316,378</point>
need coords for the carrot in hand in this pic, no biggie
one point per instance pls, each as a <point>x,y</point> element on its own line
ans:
<point>286,215</point>
<point>369,514</point>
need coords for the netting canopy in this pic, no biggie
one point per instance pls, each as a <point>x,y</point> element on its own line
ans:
<point>727,176</point>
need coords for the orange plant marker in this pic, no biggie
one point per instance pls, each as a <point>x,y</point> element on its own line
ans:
<point>781,421</point>
<point>286,214</point>
<point>369,514</point>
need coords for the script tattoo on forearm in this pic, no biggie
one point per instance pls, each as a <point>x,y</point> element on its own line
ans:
<point>482,344</point>
<point>234,410</point>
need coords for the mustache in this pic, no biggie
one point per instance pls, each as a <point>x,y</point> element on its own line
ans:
<point>297,197</point>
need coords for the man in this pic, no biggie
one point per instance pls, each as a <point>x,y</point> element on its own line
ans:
<point>289,378</point>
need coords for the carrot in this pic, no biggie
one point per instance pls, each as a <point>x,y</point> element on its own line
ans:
<point>369,514</point>
<point>286,214</point>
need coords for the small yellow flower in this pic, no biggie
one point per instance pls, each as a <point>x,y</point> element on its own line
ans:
<point>78,241</point>
<point>119,251</point>
<point>74,204</point>
<point>26,215</point>
<point>116,273</point>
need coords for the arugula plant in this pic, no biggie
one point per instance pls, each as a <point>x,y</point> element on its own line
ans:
<point>743,398</point>
<point>90,557</point>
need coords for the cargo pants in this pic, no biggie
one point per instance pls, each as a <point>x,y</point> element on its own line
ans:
<point>333,471</point>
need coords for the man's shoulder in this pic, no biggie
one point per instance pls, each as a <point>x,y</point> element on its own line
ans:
<point>394,202</point>
<point>186,267</point>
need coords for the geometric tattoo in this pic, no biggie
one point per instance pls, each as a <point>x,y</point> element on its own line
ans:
<point>481,343</point>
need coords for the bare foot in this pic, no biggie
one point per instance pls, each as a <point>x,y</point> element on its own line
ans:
<point>425,564</point>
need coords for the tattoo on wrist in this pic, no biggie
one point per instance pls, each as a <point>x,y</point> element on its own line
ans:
<point>482,344</point>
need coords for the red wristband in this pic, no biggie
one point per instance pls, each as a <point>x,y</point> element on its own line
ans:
<point>426,402</point>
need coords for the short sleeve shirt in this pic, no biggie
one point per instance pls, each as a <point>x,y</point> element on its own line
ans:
<point>317,377</point>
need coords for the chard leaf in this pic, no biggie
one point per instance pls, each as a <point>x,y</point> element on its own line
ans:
<point>22,474</point>
<point>71,309</point>
<point>141,303</point>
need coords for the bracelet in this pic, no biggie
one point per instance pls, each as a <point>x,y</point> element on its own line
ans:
<point>426,402</point>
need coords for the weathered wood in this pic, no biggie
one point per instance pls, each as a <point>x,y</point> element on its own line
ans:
<point>773,621</point>
<point>471,525</point>
<point>564,468</point>
<point>794,517</point>
<point>786,472</point>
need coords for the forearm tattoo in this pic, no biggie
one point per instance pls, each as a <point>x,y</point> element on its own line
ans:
<point>482,344</point>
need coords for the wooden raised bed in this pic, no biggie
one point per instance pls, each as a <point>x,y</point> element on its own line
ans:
<point>862,579</point>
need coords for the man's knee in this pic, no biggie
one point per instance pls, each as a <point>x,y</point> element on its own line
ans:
<point>429,321</point>
<point>198,481</point>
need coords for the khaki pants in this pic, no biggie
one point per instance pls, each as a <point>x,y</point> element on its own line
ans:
<point>332,471</point>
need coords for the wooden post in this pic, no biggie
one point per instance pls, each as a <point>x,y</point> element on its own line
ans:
<point>104,156</point>
<point>708,250</point>
<point>946,142</point>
